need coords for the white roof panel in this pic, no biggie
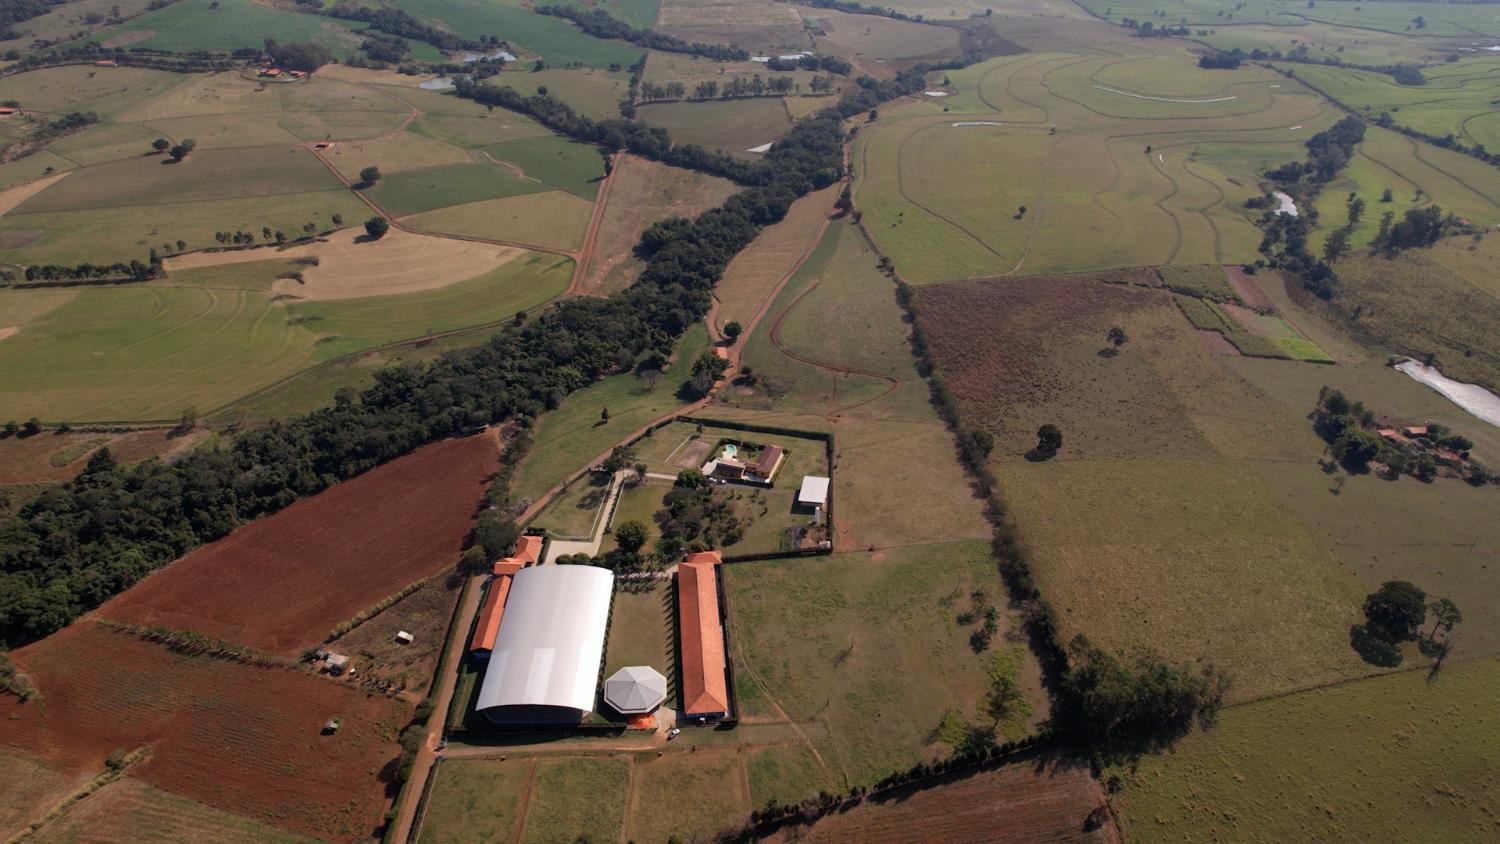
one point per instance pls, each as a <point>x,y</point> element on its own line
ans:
<point>814,490</point>
<point>551,640</point>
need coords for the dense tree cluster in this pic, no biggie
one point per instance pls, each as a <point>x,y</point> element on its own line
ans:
<point>811,61</point>
<point>402,24</point>
<point>74,545</point>
<point>602,24</point>
<point>694,518</point>
<point>1327,153</point>
<point>1222,59</point>
<point>118,271</point>
<point>1419,227</point>
<point>861,9</point>
<point>305,56</point>
<point>384,49</point>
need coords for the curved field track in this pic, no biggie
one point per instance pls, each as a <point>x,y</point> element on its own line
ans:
<point>1035,800</point>
<point>281,583</point>
<point>892,383</point>
<point>351,266</point>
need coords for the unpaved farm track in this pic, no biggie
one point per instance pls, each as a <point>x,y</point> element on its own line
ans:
<point>892,383</point>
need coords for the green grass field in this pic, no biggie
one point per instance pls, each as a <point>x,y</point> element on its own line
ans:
<point>577,797</point>
<point>573,167</point>
<point>429,188</point>
<point>730,125</point>
<point>105,91</point>
<point>550,220</point>
<point>230,25</point>
<point>942,188</point>
<point>1396,18</point>
<point>1388,759</point>
<point>857,647</point>
<point>588,90</point>
<point>574,513</point>
<point>640,630</point>
<point>475,800</point>
<point>101,353</point>
<point>661,818</point>
<point>555,40</point>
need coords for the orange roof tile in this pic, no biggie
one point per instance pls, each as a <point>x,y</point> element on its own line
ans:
<point>489,616</point>
<point>705,557</point>
<point>509,566</point>
<point>704,688</point>
<point>528,549</point>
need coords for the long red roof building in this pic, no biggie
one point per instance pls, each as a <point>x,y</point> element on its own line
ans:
<point>528,551</point>
<point>705,689</point>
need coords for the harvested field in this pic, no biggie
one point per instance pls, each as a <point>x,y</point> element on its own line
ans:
<point>235,737</point>
<point>867,36</point>
<point>752,24</point>
<point>1248,289</point>
<point>17,195</point>
<point>753,275</point>
<point>268,585</point>
<point>1037,800</point>
<point>733,126</point>
<point>351,266</point>
<point>641,193</point>
<point>130,810</point>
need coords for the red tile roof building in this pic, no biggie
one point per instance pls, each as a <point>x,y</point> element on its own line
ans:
<point>705,688</point>
<point>528,550</point>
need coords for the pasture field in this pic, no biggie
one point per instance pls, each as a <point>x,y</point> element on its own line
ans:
<point>733,126</point>
<point>1320,42</point>
<point>554,40</point>
<point>752,275</point>
<point>640,630</point>
<point>574,167</point>
<point>1428,301</point>
<point>662,68</point>
<point>641,193</point>
<point>107,92</point>
<point>67,19</point>
<point>577,797</point>
<point>589,90</point>
<point>1457,99</point>
<point>550,220</point>
<point>1418,174</point>
<point>656,817</point>
<point>226,332</point>
<point>573,514</point>
<point>359,533</point>
<point>856,647</point>
<point>1036,799</point>
<point>228,25</point>
<point>871,37</point>
<point>1397,18</point>
<point>128,810</point>
<point>640,503</point>
<point>942,186</point>
<point>223,734</point>
<point>568,438</point>
<point>756,25</point>
<point>1387,759</point>
<point>640,14</point>
<point>477,800</point>
<point>1204,541</point>
<point>405,151</point>
<point>429,188</point>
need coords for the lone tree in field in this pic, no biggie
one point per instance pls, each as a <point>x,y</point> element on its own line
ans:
<point>631,536</point>
<point>1116,336</point>
<point>183,150</point>
<point>1048,440</point>
<point>161,145</point>
<point>1445,615</point>
<point>376,227</point>
<point>369,176</point>
<point>1396,610</point>
<point>733,330</point>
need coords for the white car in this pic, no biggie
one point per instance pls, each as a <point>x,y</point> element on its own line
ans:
<point>673,733</point>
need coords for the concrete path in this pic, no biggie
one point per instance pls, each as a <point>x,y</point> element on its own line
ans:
<point>559,547</point>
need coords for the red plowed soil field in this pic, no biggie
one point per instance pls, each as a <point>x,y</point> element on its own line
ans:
<point>282,583</point>
<point>977,328</point>
<point>1034,801</point>
<point>239,738</point>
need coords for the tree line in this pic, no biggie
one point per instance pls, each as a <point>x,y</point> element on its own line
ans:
<point>402,25</point>
<point>600,24</point>
<point>1285,238</point>
<point>735,86</point>
<point>74,545</point>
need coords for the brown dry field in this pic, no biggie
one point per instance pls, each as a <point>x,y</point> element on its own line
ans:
<point>641,193</point>
<point>868,36</point>
<point>752,24</point>
<point>1248,289</point>
<point>754,273</point>
<point>31,460</point>
<point>19,194</point>
<point>235,737</point>
<point>426,614</point>
<point>130,810</point>
<point>350,267</point>
<point>283,582</point>
<point>1034,800</point>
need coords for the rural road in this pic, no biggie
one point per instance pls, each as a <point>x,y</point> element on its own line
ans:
<point>561,547</point>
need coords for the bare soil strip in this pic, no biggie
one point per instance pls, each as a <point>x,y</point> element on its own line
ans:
<point>19,194</point>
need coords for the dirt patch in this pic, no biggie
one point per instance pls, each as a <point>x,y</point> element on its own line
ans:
<point>1217,343</point>
<point>1248,289</point>
<point>20,193</point>
<point>235,737</point>
<point>349,267</point>
<point>1034,800</point>
<point>19,240</point>
<point>692,456</point>
<point>283,582</point>
<point>9,331</point>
